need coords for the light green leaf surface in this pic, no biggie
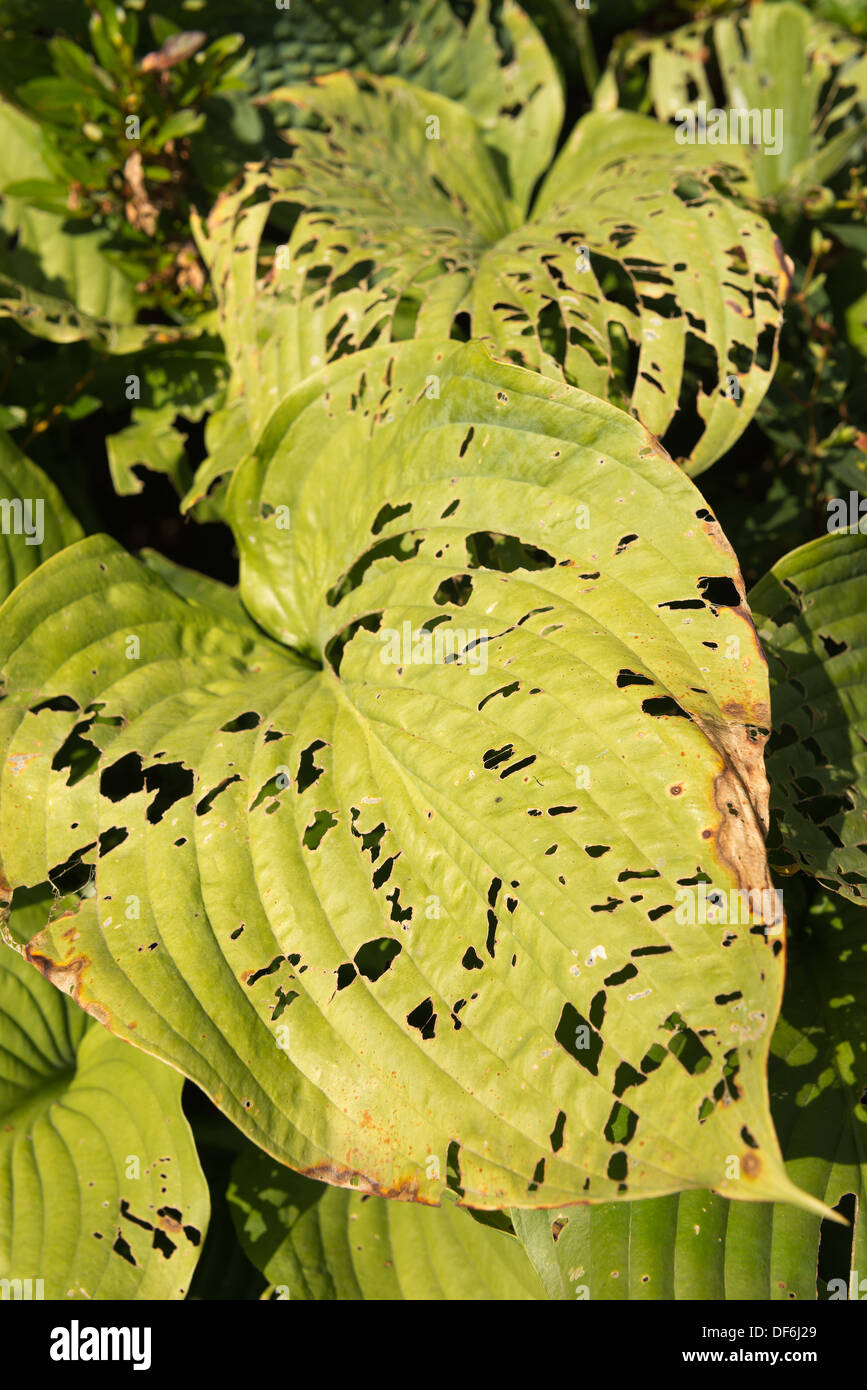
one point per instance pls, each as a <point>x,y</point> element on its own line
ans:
<point>810,614</point>
<point>499,69</point>
<point>633,278</point>
<point>773,58</point>
<point>101,1193</point>
<point>387,907</point>
<point>28,534</point>
<point>534,1230</point>
<point>313,1241</point>
<point>696,1245</point>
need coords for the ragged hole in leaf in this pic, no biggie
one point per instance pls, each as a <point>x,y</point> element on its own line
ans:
<point>453,1168</point>
<point>720,591</point>
<point>248,720</point>
<point>556,1137</point>
<point>401,548</point>
<point>625,678</point>
<point>322,822</point>
<point>687,1047</point>
<point>110,839</point>
<point>621,1124</point>
<point>663,706</point>
<point>579,1038</point>
<point>389,513</point>
<point>538,1176</point>
<point>207,801</point>
<point>457,590</point>
<point>423,1018</point>
<point>336,646</point>
<point>505,553</point>
<point>308,772</point>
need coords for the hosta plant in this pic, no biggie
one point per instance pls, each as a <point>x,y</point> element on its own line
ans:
<point>809,75</point>
<point>443,879</point>
<point>410,918</point>
<point>632,272</point>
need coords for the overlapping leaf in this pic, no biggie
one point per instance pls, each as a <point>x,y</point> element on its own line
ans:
<point>317,1242</point>
<point>498,67</point>
<point>48,269</point>
<point>699,1246</point>
<point>101,1193</point>
<point>635,277</point>
<point>810,612</point>
<point>809,76</point>
<point>395,903</point>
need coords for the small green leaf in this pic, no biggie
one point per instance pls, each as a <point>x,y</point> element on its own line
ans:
<point>316,1242</point>
<point>810,614</point>
<point>179,124</point>
<point>152,442</point>
<point>101,1193</point>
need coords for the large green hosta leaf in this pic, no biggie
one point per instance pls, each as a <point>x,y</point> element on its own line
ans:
<point>699,1246</point>
<point>634,277</point>
<point>499,69</point>
<point>101,1193</point>
<point>773,57</point>
<point>810,612</point>
<point>313,1241</point>
<point>409,917</point>
<point>34,519</point>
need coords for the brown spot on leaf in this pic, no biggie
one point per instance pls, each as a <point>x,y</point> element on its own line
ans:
<point>68,979</point>
<point>403,1190</point>
<point>751,1164</point>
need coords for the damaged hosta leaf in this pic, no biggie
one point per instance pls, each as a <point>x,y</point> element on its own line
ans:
<point>313,1241</point>
<point>497,66</point>
<point>34,519</point>
<point>635,276</point>
<point>696,1245</point>
<point>101,1193</point>
<point>810,612</point>
<point>62,321</point>
<point>501,73</point>
<point>412,887</point>
<point>804,80</point>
